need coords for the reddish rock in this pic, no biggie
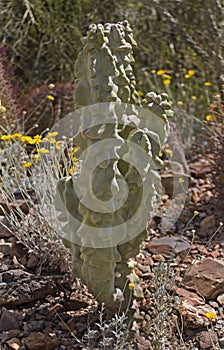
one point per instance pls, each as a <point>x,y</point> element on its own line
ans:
<point>207,339</point>
<point>192,297</point>
<point>10,320</point>
<point>193,309</point>
<point>168,246</point>
<point>207,226</point>
<point>220,299</point>
<point>40,341</point>
<point>14,343</point>
<point>206,278</point>
<point>143,344</point>
<point>5,248</point>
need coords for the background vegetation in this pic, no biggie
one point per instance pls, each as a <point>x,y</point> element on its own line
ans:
<point>42,39</point>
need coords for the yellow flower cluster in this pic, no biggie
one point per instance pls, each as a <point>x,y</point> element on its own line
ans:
<point>190,73</point>
<point>166,77</point>
<point>207,83</point>
<point>37,140</point>
<point>210,118</point>
<point>210,315</point>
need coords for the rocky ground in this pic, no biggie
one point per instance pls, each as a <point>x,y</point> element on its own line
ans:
<point>48,311</point>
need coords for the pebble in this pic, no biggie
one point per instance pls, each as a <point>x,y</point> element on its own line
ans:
<point>220,299</point>
<point>5,248</point>
<point>14,343</point>
<point>158,257</point>
<point>221,341</point>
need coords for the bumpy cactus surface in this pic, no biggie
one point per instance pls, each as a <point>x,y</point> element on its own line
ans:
<point>108,203</point>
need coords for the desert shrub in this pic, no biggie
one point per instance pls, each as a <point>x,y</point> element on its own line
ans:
<point>43,37</point>
<point>10,111</point>
<point>215,149</point>
<point>44,105</point>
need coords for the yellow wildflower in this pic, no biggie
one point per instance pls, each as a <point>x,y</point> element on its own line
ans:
<point>167,76</point>
<point>191,72</point>
<point>75,160</point>
<point>5,137</point>
<point>27,139</point>
<point>153,71</point>
<point>2,109</point>
<point>196,213</point>
<point>169,151</point>
<point>75,149</point>
<point>180,103</point>
<point>16,136</point>
<point>161,71</point>
<point>180,180</point>
<point>131,285</point>
<point>36,157</point>
<point>51,140</point>
<point>140,93</point>
<point>26,165</point>
<point>207,83</point>
<point>42,150</point>
<point>210,117</point>
<point>194,98</point>
<point>71,170</point>
<point>52,134</point>
<point>58,146</point>
<point>184,69</point>
<point>50,97</point>
<point>210,315</point>
<point>36,140</point>
<point>188,76</point>
<point>166,81</point>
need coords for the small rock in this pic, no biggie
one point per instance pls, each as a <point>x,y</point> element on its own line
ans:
<point>206,278</point>
<point>5,248</point>
<point>14,343</point>
<point>32,262</point>
<point>207,339</point>
<point>19,250</point>
<point>4,231</point>
<point>43,310</point>
<point>158,257</point>
<point>193,309</point>
<point>13,333</point>
<point>40,341</point>
<point>143,344</point>
<point>191,297</point>
<point>221,341</point>
<point>32,326</point>
<point>207,226</point>
<point>214,304</point>
<point>10,320</point>
<point>220,299</point>
<point>168,246</point>
<point>33,287</point>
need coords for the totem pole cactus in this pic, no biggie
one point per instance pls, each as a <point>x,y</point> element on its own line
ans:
<point>103,229</point>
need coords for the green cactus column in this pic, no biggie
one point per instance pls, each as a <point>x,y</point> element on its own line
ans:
<point>119,144</point>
